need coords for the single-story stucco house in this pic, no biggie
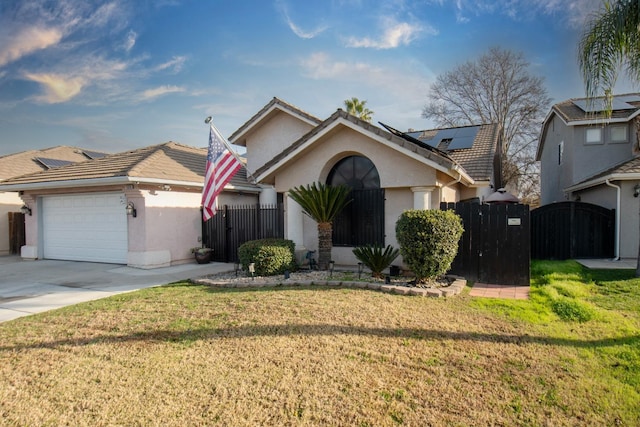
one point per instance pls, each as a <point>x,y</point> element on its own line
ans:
<point>389,171</point>
<point>27,162</point>
<point>140,207</point>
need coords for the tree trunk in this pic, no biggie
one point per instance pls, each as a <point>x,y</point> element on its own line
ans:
<point>325,236</point>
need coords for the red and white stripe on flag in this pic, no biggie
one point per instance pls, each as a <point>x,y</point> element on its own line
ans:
<point>221,167</point>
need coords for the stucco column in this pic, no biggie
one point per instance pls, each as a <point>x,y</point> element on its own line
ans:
<point>33,241</point>
<point>422,197</point>
<point>295,229</point>
<point>268,195</point>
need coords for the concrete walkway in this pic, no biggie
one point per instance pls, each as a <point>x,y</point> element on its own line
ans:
<point>28,287</point>
<point>609,264</point>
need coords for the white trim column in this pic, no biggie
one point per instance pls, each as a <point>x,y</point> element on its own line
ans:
<point>295,226</point>
<point>268,195</point>
<point>422,197</point>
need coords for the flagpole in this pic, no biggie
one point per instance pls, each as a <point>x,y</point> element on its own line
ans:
<point>213,127</point>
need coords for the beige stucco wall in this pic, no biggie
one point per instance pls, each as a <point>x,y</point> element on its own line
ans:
<point>273,136</point>
<point>9,202</point>
<point>315,163</point>
<point>167,225</point>
<point>398,174</point>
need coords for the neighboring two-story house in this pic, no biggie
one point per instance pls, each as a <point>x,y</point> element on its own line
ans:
<point>585,156</point>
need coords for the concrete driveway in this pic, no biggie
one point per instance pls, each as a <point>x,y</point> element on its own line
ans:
<point>28,287</point>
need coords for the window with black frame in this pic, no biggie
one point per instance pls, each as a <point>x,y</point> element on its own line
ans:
<point>362,221</point>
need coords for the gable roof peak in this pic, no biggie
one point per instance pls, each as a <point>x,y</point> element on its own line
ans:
<point>265,112</point>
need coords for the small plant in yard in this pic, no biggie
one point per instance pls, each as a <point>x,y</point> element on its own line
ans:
<point>428,241</point>
<point>375,258</point>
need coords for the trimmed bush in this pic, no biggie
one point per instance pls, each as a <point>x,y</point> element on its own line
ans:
<point>428,241</point>
<point>270,256</point>
<point>375,258</point>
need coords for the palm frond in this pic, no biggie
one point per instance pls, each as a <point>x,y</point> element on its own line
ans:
<point>610,42</point>
<point>321,202</point>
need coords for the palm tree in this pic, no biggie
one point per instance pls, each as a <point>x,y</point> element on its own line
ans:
<point>357,108</point>
<point>322,203</point>
<point>611,41</point>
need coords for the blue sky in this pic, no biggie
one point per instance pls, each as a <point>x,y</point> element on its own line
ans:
<point>120,74</point>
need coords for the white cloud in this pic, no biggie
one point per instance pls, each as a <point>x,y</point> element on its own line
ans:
<point>57,88</point>
<point>303,34</point>
<point>176,63</point>
<point>573,12</point>
<point>130,41</point>
<point>394,34</point>
<point>16,44</point>
<point>320,66</point>
<point>160,90</point>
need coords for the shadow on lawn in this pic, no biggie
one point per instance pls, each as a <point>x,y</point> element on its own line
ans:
<point>324,330</point>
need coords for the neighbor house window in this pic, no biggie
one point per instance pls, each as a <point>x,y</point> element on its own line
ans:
<point>618,133</point>
<point>362,221</point>
<point>594,136</point>
<point>560,152</point>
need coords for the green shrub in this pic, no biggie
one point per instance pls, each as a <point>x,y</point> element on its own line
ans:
<point>428,241</point>
<point>570,309</point>
<point>375,258</point>
<point>270,256</point>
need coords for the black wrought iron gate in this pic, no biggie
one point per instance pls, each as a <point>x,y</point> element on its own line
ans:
<point>231,226</point>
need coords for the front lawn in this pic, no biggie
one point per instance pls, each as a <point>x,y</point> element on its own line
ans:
<point>192,355</point>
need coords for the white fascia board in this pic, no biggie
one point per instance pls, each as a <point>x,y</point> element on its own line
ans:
<point>46,185</point>
<point>242,189</point>
<point>455,170</point>
<point>259,119</point>
<point>603,179</point>
<point>603,121</point>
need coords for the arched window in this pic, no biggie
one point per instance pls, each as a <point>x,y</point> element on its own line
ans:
<point>362,221</point>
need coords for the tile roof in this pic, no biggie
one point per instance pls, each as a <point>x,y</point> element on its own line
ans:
<point>631,168</point>
<point>170,161</point>
<point>366,126</point>
<point>275,103</point>
<point>477,160</point>
<point>25,162</point>
<point>570,112</point>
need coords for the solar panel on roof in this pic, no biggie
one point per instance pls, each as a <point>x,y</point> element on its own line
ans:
<point>598,105</point>
<point>461,138</point>
<point>629,98</point>
<point>53,163</point>
<point>93,154</point>
<point>460,143</point>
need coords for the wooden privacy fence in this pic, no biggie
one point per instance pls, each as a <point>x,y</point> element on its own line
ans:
<point>495,245</point>
<point>231,226</point>
<point>16,232</point>
<point>568,230</point>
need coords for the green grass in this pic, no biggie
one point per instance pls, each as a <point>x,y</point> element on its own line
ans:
<point>303,356</point>
<point>602,307</point>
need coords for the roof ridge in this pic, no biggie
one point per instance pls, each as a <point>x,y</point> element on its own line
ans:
<point>597,97</point>
<point>275,101</point>
<point>452,127</point>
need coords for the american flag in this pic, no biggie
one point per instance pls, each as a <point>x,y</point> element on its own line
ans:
<point>222,165</point>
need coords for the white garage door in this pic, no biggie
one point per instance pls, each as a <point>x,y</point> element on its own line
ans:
<point>85,227</point>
